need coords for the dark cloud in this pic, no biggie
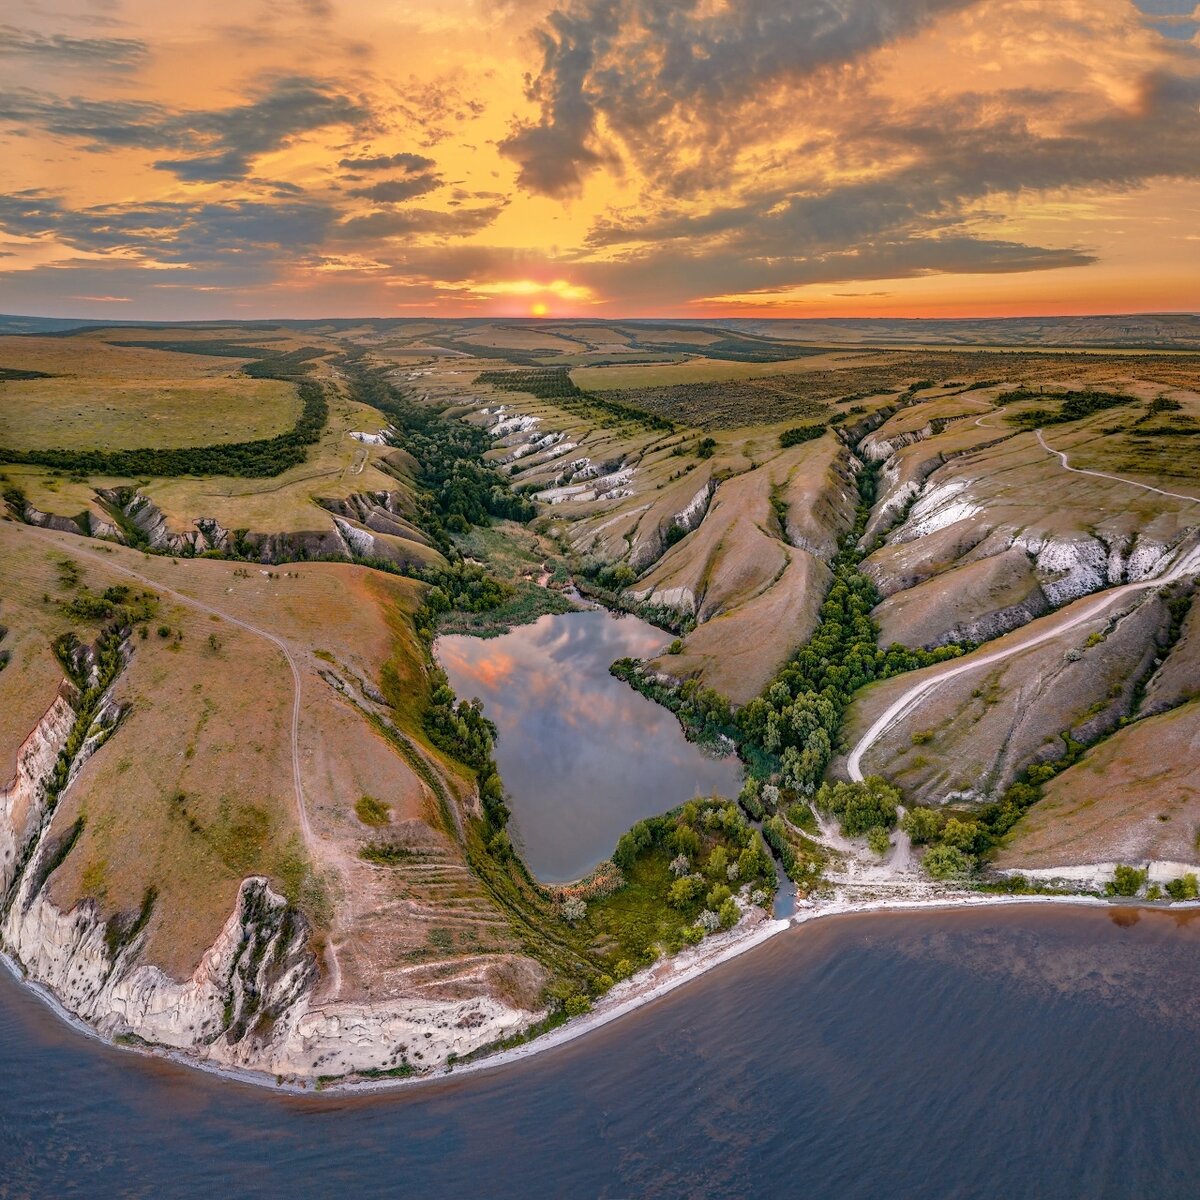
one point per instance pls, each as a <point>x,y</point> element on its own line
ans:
<point>230,235</point>
<point>392,191</point>
<point>672,278</point>
<point>958,156</point>
<point>104,54</point>
<point>211,144</point>
<point>636,63</point>
<point>409,163</point>
<point>412,221</point>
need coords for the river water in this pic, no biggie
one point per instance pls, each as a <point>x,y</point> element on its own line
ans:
<point>583,755</point>
<point>1046,1052</point>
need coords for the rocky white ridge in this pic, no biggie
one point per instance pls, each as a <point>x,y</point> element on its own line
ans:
<point>252,1001</point>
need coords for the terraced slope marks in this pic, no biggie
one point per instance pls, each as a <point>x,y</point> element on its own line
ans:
<point>216,800</point>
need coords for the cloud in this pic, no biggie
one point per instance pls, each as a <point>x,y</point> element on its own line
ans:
<point>230,234</point>
<point>636,64</point>
<point>213,144</point>
<point>412,221</point>
<point>103,54</point>
<point>392,191</point>
<point>409,163</point>
<point>958,158</point>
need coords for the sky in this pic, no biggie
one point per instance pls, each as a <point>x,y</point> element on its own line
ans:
<point>599,158</point>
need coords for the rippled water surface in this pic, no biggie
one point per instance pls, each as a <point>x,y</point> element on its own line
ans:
<point>582,754</point>
<point>1014,1052</point>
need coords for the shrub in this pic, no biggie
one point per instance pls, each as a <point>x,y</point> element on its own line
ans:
<point>708,921</point>
<point>860,807</point>
<point>577,1005</point>
<point>962,835</point>
<point>717,896</point>
<point>922,825</point>
<point>372,812</point>
<point>946,862</point>
<point>1127,881</point>
<point>623,969</point>
<point>680,866</point>
<point>729,914</point>
<point>879,841</point>
<point>676,647</point>
<point>1184,889</point>
<point>683,891</point>
<point>573,910</point>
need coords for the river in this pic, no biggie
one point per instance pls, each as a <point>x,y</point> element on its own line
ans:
<point>583,755</point>
<point>1048,1052</point>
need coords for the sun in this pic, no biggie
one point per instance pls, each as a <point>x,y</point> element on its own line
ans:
<point>538,310</point>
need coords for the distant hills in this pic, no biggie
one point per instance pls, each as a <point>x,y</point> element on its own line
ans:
<point>1140,331</point>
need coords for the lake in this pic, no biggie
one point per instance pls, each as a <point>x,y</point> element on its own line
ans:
<point>1020,1051</point>
<point>583,755</point>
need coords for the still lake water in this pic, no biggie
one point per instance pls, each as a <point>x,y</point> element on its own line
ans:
<point>1040,1052</point>
<point>583,755</point>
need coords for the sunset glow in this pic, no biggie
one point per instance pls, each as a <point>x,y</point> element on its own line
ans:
<point>580,157</point>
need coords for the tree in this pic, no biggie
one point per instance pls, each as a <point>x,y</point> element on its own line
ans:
<point>1184,889</point>
<point>946,862</point>
<point>962,835</point>
<point>860,807</point>
<point>683,891</point>
<point>922,825</point>
<point>680,866</point>
<point>1127,881</point>
<point>729,914</point>
<point>573,910</point>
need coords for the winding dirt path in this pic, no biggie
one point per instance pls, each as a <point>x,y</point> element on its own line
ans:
<point>1187,564</point>
<point>1115,478</point>
<point>311,842</point>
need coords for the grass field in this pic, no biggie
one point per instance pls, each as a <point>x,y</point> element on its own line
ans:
<point>709,370</point>
<point>82,412</point>
<point>194,789</point>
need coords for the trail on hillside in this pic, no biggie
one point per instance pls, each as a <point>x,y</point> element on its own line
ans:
<point>1187,564</point>
<point>306,831</point>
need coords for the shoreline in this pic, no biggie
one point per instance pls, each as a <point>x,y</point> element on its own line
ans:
<point>624,998</point>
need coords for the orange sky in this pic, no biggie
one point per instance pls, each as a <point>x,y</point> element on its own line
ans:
<point>600,157</point>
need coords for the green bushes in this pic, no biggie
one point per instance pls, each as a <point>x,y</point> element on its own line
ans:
<point>1126,881</point>
<point>703,712</point>
<point>922,825</point>
<point>795,721</point>
<point>946,862</point>
<point>676,868</point>
<point>1073,406</point>
<point>556,385</point>
<point>372,812</point>
<point>458,489</point>
<point>801,433</point>
<point>459,728</point>
<point>268,456</point>
<point>1184,889</point>
<point>860,807</point>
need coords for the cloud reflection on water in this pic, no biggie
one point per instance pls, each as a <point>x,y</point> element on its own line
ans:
<point>582,754</point>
